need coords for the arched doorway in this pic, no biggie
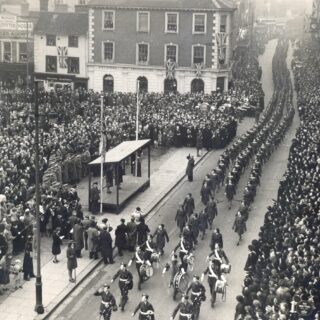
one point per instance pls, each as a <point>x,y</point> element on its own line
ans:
<point>220,84</point>
<point>108,83</point>
<point>143,84</point>
<point>197,86</point>
<point>170,85</point>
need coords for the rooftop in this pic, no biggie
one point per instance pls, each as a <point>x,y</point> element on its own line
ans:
<point>59,23</point>
<point>121,151</point>
<point>207,5</point>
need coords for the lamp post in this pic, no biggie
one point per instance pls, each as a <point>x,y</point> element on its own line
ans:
<point>27,55</point>
<point>102,153</point>
<point>38,307</point>
<point>137,126</point>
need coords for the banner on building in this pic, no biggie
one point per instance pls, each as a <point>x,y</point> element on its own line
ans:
<point>170,69</point>
<point>63,57</point>
<point>198,69</point>
<point>221,39</point>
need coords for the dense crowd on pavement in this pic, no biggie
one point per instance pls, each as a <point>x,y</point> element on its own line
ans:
<point>69,140</point>
<point>282,279</point>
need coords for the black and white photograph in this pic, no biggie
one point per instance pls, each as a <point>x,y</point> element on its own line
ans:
<point>160,159</point>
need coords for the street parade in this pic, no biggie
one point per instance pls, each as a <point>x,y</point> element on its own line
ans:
<point>153,190</point>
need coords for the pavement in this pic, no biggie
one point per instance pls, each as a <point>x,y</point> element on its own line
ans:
<point>168,169</point>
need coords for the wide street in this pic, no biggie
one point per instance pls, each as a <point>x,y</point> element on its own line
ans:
<point>83,305</point>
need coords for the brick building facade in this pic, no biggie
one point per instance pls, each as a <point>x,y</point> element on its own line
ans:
<point>180,45</point>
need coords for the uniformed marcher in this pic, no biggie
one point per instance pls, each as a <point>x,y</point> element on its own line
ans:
<point>216,238</point>
<point>212,211</point>
<point>185,309</point>
<point>185,248</point>
<point>145,308</point>
<point>214,274</point>
<point>239,226</point>
<point>139,257</point>
<point>205,193</point>
<point>150,248</point>
<point>188,204</point>
<point>181,218</point>
<point>198,294</point>
<point>219,254</point>
<point>161,237</point>
<point>230,191</point>
<point>125,283</point>
<point>194,227</point>
<point>108,302</point>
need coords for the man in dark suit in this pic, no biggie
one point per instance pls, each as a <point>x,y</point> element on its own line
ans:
<point>121,237</point>
<point>106,245</point>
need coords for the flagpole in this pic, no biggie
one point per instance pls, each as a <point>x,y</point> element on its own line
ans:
<point>101,155</point>
<point>39,306</point>
<point>137,126</point>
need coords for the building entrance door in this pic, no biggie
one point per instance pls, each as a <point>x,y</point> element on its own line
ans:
<point>220,84</point>
<point>108,83</point>
<point>197,86</point>
<point>170,85</point>
<point>143,84</point>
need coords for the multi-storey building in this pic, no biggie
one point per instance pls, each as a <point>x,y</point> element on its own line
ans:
<point>60,49</point>
<point>56,5</point>
<point>243,24</point>
<point>16,42</point>
<point>160,45</point>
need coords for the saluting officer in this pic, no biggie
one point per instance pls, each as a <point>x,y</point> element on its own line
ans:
<point>125,283</point>
<point>185,309</point>
<point>146,309</point>
<point>108,302</point>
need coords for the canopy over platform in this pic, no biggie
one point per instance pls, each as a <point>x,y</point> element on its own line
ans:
<point>121,151</point>
<point>121,165</point>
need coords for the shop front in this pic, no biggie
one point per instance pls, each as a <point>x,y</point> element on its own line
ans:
<point>59,81</point>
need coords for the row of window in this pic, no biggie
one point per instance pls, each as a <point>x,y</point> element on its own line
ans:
<point>71,62</point>
<point>51,40</point>
<point>199,22</point>
<point>7,54</point>
<point>143,53</point>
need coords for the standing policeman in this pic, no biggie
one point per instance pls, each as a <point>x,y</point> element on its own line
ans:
<point>125,284</point>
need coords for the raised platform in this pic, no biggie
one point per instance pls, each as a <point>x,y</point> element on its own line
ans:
<point>130,187</point>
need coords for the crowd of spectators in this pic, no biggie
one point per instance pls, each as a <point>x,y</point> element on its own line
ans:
<point>69,140</point>
<point>283,265</point>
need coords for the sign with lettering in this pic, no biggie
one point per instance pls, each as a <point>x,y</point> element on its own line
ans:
<point>13,34</point>
<point>8,22</point>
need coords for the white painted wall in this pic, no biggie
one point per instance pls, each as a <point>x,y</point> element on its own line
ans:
<point>41,50</point>
<point>125,78</point>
